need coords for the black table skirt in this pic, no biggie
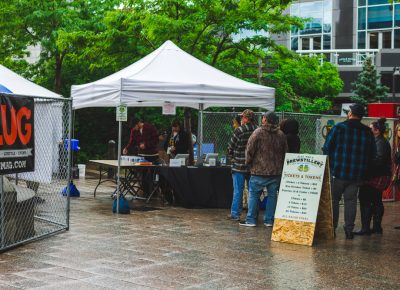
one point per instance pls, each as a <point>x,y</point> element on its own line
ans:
<point>209,187</point>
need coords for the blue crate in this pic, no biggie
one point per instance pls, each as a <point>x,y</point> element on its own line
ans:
<point>74,144</point>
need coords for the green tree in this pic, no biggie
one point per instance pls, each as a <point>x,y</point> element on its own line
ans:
<point>367,88</point>
<point>53,26</point>
<point>303,83</point>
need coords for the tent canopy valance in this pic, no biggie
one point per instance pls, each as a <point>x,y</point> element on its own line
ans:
<point>170,75</point>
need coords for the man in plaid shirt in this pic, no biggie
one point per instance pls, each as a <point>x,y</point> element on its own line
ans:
<point>240,171</point>
<point>350,147</point>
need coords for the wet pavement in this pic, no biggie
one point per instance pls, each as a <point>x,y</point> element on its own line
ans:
<point>166,247</point>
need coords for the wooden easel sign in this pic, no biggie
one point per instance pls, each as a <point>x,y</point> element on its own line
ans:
<point>304,207</point>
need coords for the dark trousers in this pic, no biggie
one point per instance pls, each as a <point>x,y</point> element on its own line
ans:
<point>371,198</point>
<point>349,190</point>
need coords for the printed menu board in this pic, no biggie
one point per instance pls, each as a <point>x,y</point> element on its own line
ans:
<point>300,187</point>
<point>304,200</point>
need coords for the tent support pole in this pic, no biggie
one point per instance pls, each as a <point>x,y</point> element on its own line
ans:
<point>200,132</point>
<point>119,162</point>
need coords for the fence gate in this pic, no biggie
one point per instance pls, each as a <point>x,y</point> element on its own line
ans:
<point>32,204</point>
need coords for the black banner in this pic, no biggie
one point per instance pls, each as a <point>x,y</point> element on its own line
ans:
<point>17,142</point>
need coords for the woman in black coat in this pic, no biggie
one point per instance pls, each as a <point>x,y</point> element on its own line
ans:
<point>291,129</point>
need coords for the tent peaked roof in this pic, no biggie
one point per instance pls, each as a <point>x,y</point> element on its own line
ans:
<point>169,74</point>
<point>12,83</point>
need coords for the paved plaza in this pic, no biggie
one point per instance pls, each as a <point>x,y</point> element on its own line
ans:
<point>168,247</point>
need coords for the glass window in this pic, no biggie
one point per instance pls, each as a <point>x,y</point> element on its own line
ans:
<point>305,43</point>
<point>376,2</point>
<point>294,43</point>
<point>387,39</point>
<point>379,17</point>
<point>397,38</point>
<point>327,41</point>
<point>294,10</point>
<point>373,40</point>
<point>312,27</point>
<point>397,16</point>
<point>361,2</point>
<point>327,16</point>
<point>362,18</point>
<point>361,40</point>
<point>317,43</point>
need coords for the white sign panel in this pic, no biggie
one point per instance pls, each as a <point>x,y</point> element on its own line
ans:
<point>122,113</point>
<point>175,163</point>
<point>169,109</point>
<point>300,188</point>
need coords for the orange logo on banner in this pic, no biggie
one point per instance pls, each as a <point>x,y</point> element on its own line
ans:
<point>16,122</point>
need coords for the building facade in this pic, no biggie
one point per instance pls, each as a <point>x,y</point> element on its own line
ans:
<point>348,31</point>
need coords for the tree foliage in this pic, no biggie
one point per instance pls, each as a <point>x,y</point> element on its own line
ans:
<point>84,40</point>
<point>303,83</point>
<point>367,88</point>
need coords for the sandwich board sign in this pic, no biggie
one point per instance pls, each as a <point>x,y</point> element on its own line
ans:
<point>304,207</point>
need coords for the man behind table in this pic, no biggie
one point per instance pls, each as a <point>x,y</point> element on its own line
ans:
<point>143,140</point>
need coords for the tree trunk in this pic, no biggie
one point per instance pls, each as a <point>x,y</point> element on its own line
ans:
<point>188,130</point>
<point>58,68</point>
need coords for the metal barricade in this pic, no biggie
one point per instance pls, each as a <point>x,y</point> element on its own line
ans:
<point>36,204</point>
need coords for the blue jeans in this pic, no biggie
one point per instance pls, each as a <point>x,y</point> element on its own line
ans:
<point>256,186</point>
<point>238,187</point>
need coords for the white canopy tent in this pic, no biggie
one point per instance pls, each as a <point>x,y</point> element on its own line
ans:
<point>48,123</point>
<point>12,83</point>
<point>171,75</point>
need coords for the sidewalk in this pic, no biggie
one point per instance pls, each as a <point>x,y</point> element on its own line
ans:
<point>178,248</point>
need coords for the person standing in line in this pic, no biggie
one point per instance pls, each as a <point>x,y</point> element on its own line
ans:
<point>350,147</point>
<point>379,173</point>
<point>240,171</point>
<point>291,129</point>
<point>265,155</point>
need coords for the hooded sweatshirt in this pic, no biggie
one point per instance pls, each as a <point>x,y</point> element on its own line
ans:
<point>266,149</point>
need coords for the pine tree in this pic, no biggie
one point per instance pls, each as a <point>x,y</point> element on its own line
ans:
<point>366,88</point>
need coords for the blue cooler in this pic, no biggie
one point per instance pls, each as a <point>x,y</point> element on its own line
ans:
<point>74,144</point>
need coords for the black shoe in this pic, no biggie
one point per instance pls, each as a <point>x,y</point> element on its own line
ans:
<point>397,228</point>
<point>362,232</point>
<point>378,231</point>
<point>349,235</point>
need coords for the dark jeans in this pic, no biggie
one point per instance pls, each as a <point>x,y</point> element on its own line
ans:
<point>349,190</point>
<point>372,198</point>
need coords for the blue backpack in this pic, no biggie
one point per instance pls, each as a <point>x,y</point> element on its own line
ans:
<point>123,206</point>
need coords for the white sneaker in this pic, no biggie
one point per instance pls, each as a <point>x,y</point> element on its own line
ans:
<point>268,225</point>
<point>245,224</point>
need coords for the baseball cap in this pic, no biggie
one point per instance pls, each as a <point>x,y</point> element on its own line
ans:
<point>357,110</point>
<point>247,113</point>
<point>272,118</point>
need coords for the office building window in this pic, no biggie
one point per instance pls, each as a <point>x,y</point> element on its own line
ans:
<point>362,18</point>
<point>316,33</point>
<point>376,23</point>
<point>380,17</point>
<point>361,40</point>
<point>397,38</point>
<point>377,2</point>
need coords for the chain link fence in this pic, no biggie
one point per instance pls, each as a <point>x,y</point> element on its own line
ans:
<point>218,129</point>
<point>36,204</point>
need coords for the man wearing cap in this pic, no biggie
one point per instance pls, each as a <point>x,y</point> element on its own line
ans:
<point>350,147</point>
<point>265,155</point>
<point>236,151</point>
